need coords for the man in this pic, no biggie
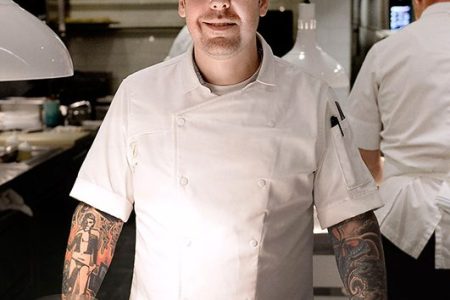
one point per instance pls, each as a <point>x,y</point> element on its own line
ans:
<point>400,107</point>
<point>220,151</point>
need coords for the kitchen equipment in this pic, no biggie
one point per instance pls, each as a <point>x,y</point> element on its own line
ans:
<point>21,113</point>
<point>374,20</point>
<point>307,54</point>
<point>400,13</point>
<point>51,113</point>
<point>78,111</point>
<point>30,49</point>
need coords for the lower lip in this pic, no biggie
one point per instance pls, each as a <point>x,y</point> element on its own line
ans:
<point>219,27</point>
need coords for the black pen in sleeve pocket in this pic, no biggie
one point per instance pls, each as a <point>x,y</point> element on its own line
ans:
<point>335,121</point>
<point>341,113</point>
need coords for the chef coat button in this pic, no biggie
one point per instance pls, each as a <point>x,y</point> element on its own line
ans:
<point>262,183</point>
<point>271,123</point>
<point>183,180</point>
<point>181,121</point>
<point>254,243</point>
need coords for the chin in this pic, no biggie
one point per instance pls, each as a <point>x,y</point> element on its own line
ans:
<point>221,46</point>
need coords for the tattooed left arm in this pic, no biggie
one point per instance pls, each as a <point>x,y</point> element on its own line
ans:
<point>359,255</point>
<point>90,249</point>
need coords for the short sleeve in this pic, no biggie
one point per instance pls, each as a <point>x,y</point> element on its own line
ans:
<point>362,106</point>
<point>104,178</point>
<point>343,186</point>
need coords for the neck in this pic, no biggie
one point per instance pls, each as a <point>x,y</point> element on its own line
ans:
<point>230,70</point>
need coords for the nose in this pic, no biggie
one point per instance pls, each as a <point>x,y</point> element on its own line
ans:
<point>219,4</point>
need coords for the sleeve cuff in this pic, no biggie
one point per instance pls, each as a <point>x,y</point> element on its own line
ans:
<point>348,208</point>
<point>101,199</point>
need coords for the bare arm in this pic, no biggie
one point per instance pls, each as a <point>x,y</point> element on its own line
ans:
<point>359,255</point>
<point>373,161</point>
<point>90,248</point>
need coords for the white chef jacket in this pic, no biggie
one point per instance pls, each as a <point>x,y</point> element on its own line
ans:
<point>400,103</point>
<point>222,186</point>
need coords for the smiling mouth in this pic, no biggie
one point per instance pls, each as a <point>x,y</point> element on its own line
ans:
<point>220,25</point>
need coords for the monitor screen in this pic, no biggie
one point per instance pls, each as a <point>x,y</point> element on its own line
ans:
<point>400,16</point>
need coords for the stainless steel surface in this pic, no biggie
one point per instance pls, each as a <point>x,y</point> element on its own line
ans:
<point>61,17</point>
<point>369,16</point>
<point>78,112</point>
<point>41,154</point>
<point>9,171</point>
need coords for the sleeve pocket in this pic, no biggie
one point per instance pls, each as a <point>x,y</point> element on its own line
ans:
<point>352,166</point>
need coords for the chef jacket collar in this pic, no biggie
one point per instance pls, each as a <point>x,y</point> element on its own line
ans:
<point>192,80</point>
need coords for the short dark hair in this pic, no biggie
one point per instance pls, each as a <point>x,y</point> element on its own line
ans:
<point>86,217</point>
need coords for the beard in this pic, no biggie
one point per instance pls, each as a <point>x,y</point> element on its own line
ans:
<point>220,46</point>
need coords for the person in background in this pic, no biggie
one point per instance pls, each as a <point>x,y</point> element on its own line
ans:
<point>223,152</point>
<point>181,43</point>
<point>399,107</point>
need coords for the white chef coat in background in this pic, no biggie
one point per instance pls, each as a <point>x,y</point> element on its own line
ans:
<point>400,103</point>
<point>222,186</point>
<point>181,44</point>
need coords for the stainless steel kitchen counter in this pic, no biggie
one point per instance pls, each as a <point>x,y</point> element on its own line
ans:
<point>45,145</point>
<point>9,171</point>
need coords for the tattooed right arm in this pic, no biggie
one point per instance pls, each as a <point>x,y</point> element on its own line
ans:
<point>359,255</point>
<point>90,249</point>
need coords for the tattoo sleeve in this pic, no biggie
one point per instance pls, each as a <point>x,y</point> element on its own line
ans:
<point>359,255</point>
<point>90,248</point>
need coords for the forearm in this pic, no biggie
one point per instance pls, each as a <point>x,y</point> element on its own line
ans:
<point>91,244</point>
<point>359,255</point>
